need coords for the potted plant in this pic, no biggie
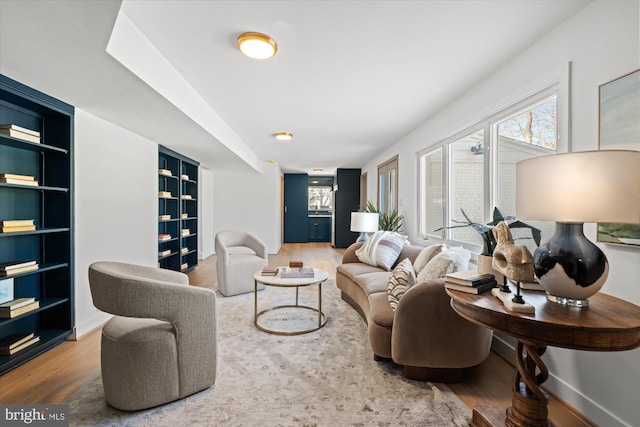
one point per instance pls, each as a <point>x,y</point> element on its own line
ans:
<point>488,239</point>
<point>386,221</point>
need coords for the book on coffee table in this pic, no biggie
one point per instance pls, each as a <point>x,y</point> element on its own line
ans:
<point>296,272</point>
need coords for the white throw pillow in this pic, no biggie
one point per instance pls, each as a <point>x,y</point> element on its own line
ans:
<point>401,279</point>
<point>447,261</point>
<point>425,256</point>
<point>382,249</point>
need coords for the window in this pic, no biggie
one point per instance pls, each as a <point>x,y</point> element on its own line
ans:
<point>466,183</point>
<point>320,193</point>
<point>475,169</point>
<point>432,200</point>
<point>320,198</point>
<point>388,185</point>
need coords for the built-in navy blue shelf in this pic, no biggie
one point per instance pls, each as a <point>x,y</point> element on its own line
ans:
<point>49,205</point>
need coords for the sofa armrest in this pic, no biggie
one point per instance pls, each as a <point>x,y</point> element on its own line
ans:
<point>427,332</point>
<point>350,253</point>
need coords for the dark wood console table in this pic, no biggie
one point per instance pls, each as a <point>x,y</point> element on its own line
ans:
<point>608,324</point>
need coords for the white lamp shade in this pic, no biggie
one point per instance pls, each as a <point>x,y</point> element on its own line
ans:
<point>364,222</point>
<point>588,186</point>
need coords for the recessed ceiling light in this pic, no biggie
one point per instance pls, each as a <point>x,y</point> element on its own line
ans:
<point>283,136</point>
<point>257,45</point>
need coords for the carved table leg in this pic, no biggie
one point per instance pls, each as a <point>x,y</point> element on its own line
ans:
<point>529,401</point>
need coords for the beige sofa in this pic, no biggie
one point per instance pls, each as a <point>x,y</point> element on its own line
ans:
<point>424,333</point>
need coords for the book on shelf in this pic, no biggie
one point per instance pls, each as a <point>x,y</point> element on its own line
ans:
<point>165,252</point>
<point>184,250</point>
<point>18,177</point>
<point>184,266</point>
<point>16,222</point>
<point>10,314</point>
<point>16,303</point>
<point>17,229</point>
<point>31,183</point>
<point>185,177</point>
<point>269,271</point>
<point>184,215</point>
<point>14,340</point>
<point>163,237</point>
<point>478,289</point>
<point>12,265</point>
<point>186,196</point>
<point>29,342</point>
<point>469,278</point>
<point>185,231</point>
<point>20,133</point>
<point>296,272</point>
<point>164,217</point>
<point>17,128</point>
<point>164,194</point>
<point>19,270</point>
<point>165,172</point>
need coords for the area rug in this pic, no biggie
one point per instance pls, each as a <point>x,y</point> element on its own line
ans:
<point>323,378</point>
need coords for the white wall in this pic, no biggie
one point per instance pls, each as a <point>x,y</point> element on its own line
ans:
<point>251,202</point>
<point>206,231</point>
<point>116,204</point>
<point>602,42</point>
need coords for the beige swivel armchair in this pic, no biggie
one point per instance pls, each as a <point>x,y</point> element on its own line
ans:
<point>235,269</point>
<point>161,343</point>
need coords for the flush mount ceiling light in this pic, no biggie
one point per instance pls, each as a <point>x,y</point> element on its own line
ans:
<point>317,170</point>
<point>257,45</point>
<point>283,136</point>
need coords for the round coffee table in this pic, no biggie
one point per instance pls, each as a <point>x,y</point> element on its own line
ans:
<point>319,276</point>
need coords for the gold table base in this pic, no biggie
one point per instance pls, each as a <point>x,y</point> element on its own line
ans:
<point>322,318</point>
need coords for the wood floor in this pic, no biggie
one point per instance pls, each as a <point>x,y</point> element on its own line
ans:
<point>57,374</point>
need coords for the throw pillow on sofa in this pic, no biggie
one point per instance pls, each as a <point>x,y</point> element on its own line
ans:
<point>382,249</point>
<point>401,279</point>
<point>448,261</point>
<point>425,256</point>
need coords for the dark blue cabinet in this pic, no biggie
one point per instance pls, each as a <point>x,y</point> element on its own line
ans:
<point>296,228</point>
<point>347,200</point>
<point>319,229</point>
<point>48,205</point>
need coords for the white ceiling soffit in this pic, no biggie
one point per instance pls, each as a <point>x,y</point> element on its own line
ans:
<point>132,49</point>
<point>350,78</point>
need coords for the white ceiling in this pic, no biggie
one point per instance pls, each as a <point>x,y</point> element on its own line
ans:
<point>349,79</point>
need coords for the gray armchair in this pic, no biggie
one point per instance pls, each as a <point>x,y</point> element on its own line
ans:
<point>235,269</point>
<point>161,343</point>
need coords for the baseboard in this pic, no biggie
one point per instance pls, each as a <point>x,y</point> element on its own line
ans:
<point>504,346</point>
<point>89,325</point>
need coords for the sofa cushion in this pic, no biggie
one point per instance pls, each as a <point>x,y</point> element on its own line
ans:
<point>373,282</point>
<point>353,270</point>
<point>380,311</point>
<point>447,261</point>
<point>382,249</point>
<point>400,280</point>
<point>425,256</point>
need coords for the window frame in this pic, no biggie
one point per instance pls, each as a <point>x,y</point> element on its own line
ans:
<point>489,124</point>
<point>385,169</point>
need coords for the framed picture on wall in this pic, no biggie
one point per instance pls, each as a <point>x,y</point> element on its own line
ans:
<point>619,129</point>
